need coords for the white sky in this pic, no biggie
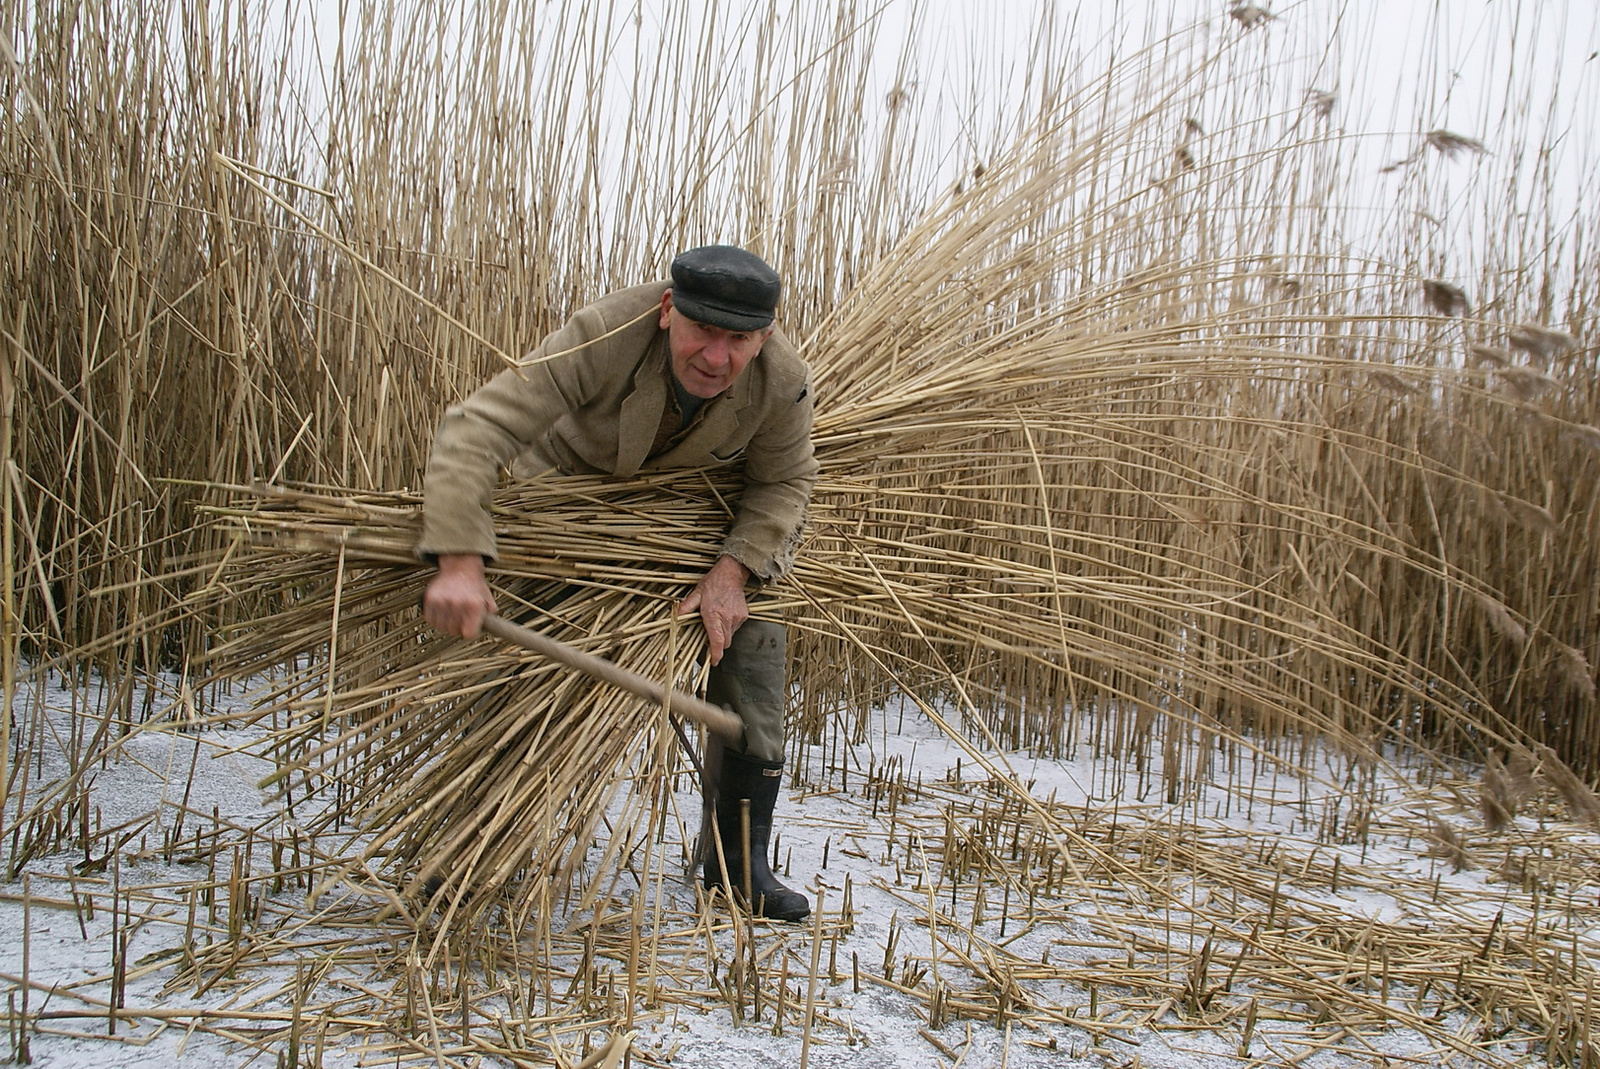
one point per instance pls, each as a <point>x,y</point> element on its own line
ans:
<point>1514,75</point>
<point>1404,65</point>
<point>1455,57</point>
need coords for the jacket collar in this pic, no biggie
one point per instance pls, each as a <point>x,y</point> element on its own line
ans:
<point>641,411</point>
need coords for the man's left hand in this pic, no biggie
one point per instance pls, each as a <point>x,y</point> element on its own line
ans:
<point>719,597</point>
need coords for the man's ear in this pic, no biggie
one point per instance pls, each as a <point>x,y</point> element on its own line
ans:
<point>666,309</point>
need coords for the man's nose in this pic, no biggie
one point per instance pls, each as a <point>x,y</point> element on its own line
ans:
<point>716,352</point>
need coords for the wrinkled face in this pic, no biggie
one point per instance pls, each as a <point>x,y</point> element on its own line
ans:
<point>707,358</point>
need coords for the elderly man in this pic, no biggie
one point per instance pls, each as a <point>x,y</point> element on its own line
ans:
<point>685,374</point>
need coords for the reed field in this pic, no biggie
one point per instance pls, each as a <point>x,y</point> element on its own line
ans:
<point>1193,644</point>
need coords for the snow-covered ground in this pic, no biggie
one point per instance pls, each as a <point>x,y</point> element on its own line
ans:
<point>1270,917</point>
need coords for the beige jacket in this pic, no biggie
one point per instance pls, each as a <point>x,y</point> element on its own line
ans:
<point>594,406</point>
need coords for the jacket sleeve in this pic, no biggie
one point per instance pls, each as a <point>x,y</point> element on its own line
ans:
<point>780,471</point>
<point>481,435</point>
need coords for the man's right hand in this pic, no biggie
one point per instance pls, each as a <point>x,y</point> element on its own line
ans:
<point>458,597</point>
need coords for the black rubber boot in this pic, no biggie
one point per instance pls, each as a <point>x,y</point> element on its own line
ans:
<point>746,778</point>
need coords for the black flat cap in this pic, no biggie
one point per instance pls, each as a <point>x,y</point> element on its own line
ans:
<point>726,286</point>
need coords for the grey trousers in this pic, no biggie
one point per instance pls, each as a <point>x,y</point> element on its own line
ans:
<point>751,680</point>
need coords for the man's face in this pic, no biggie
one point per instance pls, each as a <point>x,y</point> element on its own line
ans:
<point>707,358</point>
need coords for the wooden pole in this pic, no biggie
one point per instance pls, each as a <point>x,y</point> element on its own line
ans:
<point>712,717</point>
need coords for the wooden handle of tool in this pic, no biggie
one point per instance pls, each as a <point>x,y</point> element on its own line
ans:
<point>713,717</point>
